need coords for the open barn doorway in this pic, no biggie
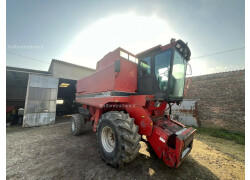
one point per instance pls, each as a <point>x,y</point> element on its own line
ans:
<point>66,105</point>
<point>16,87</point>
<point>16,91</point>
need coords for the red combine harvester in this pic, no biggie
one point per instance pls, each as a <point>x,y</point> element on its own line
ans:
<point>128,96</point>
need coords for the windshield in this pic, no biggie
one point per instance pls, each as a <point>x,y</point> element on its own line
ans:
<point>178,76</point>
<point>162,67</point>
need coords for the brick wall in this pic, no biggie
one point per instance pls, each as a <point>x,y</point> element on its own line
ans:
<point>220,99</point>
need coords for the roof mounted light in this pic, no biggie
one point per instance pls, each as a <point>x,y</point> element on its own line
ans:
<point>183,49</point>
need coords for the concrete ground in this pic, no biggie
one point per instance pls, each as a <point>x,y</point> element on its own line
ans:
<point>51,152</point>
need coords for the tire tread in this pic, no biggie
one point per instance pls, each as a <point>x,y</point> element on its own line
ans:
<point>130,138</point>
<point>79,124</point>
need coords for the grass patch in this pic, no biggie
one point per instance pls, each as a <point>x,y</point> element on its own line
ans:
<point>222,133</point>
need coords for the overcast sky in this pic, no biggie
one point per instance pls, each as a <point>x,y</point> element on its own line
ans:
<point>82,32</point>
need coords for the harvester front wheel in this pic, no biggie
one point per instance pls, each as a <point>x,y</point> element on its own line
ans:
<point>118,138</point>
<point>77,124</point>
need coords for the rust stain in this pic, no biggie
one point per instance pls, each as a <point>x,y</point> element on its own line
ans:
<point>186,111</point>
<point>196,113</point>
<point>193,111</point>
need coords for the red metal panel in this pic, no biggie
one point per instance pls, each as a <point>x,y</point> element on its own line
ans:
<point>158,140</point>
<point>142,119</point>
<point>126,79</point>
<point>158,47</point>
<point>138,100</point>
<point>110,58</point>
<point>96,117</point>
<point>107,80</point>
<point>100,101</point>
<point>172,156</point>
<point>100,81</point>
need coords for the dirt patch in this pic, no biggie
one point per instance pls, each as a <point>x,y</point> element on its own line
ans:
<point>222,157</point>
<point>51,152</point>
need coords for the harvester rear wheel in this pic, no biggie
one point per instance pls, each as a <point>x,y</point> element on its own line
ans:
<point>118,138</point>
<point>77,124</point>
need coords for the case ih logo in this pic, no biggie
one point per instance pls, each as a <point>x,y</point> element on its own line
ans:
<point>104,94</point>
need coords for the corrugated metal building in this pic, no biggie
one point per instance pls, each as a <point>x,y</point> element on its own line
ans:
<point>43,94</point>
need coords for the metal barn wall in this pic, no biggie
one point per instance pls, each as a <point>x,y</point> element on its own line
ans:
<point>40,105</point>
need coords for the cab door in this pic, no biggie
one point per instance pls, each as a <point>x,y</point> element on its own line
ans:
<point>145,78</point>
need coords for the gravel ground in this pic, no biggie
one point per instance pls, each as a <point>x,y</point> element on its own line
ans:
<point>51,152</point>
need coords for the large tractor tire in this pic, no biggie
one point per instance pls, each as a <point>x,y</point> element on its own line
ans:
<point>77,124</point>
<point>118,138</point>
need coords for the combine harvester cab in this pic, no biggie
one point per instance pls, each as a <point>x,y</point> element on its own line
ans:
<point>127,97</point>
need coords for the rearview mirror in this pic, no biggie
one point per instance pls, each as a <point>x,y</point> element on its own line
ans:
<point>189,69</point>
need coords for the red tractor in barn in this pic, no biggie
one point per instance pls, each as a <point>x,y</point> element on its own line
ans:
<point>128,96</point>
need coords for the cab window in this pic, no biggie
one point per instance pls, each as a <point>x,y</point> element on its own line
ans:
<point>162,68</point>
<point>145,66</point>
